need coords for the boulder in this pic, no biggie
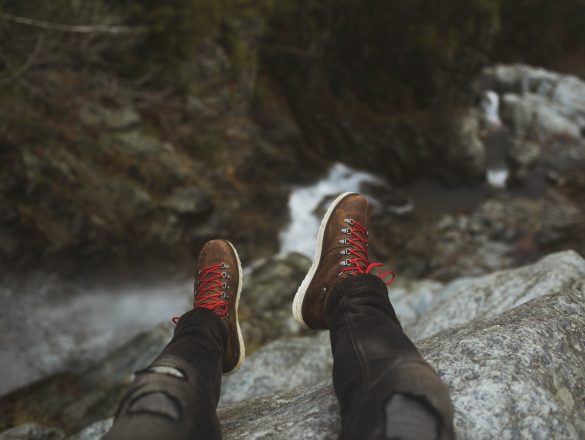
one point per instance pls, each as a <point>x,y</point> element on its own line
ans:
<point>516,375</point>
<point>467,299</point>
<point>533,116</point>
<point>543,128</point>
<point>516,372</point>
<point>287,363</point>
<point>568,91</point>
<point>537,101</point>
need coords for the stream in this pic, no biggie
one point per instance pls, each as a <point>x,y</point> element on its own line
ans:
<point>46,330</point>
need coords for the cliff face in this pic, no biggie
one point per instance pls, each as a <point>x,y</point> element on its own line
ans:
<point>384,84</point>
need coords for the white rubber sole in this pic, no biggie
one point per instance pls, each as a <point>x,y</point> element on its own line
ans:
<point>239,291</point>
<point>297,306</point>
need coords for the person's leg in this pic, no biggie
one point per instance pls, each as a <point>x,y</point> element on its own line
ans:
<point>177,395</point>
<point>384,387</point>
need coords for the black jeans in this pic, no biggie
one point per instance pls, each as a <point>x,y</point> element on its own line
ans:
<point>385,389</point>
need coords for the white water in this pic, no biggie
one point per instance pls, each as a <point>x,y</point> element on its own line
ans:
<point>490,107</point>
<point>44,332</point>
<point>301,233</point>
<point>498,177</point>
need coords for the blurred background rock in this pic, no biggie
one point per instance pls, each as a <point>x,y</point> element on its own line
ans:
<point>131,132</point>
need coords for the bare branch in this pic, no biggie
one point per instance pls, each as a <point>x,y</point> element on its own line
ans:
<point>25,66</point>
<point>81,29</point>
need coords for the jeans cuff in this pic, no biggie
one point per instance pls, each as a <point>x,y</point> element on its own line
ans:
<point>355,284</point>
<point>200,315</point>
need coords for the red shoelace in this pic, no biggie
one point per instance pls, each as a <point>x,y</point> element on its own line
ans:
<point>208,290</point>
<point>359,249</point>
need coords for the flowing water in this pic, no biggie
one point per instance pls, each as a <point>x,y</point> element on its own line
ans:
<point>301,233</point>
<point>45,331</point>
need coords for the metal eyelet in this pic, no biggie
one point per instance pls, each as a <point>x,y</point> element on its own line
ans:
<point>345,263</point>
<point>198,272</point>
<point>225,295</point>
<point>224,275</point>
<point>224,285</point>
<point>346,230</point>
<point>345,251</point>
<point>349,221</point>
<point>344,241</point>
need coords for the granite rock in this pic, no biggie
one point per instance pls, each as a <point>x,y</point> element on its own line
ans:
<point>283,364</point>
<point>466,299</point>
<point>508,345</point>
<point>516,373</point>
<point>534,116</point>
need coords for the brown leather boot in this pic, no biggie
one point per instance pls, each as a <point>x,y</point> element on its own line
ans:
<point>342,251</point>
<point>217,287</point>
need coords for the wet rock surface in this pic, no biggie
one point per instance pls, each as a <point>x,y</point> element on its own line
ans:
<point>508,345</point>
<point>516,375</point>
